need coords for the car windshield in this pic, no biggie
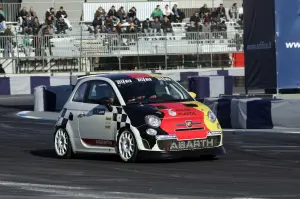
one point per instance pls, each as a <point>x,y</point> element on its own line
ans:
<point>151,90</point>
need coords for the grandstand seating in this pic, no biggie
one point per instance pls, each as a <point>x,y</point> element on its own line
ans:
<point>68,48</point>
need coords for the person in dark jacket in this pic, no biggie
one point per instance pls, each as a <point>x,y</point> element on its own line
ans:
<point>63,14</point>
<point>194,22</point>
<point>121,14</point>
<point>27,25</point>
<point>221,11</point>
<point>35,26</point>
<point>167,26</point>
<point>132,13</point>
<point>178,14</point>
<point>32,13</point>
<point>203,10</point>
<point>97,24</point>
<point>112,12</point>
<point>146,26</point>
<point>22,15</point>
<point>50,13</point>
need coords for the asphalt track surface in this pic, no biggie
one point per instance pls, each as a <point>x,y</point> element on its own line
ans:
<point>257,165</point>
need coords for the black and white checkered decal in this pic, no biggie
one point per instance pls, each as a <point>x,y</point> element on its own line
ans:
<point>120,117</point>
<point>63,119</point>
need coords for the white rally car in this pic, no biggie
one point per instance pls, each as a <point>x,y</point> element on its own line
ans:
<point>134,115</point>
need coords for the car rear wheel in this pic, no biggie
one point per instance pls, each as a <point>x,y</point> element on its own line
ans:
<point>62,144</point>
<point>127,147</point>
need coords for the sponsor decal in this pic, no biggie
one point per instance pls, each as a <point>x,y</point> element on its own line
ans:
<point>108,118</point>
<point>185,112</point>
<point>192,144</point>
<point>123,81</point>
<point>171,112</point>
<point>98,142</point>
<point>98,111</point>
<point>107,126</point>
<point>166,137</point>
<point>164,79</point>
<point>214,133</point>
<point>144,79</point>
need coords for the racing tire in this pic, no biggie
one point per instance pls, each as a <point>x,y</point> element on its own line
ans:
<point>62,144</point>
<point>127,147</point>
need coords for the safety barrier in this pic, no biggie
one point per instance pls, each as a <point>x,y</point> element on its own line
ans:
<point>255,113</point>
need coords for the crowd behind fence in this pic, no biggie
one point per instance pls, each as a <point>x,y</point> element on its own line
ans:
<point>82,49</point>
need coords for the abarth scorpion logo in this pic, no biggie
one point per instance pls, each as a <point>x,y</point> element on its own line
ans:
<point>189,123</point>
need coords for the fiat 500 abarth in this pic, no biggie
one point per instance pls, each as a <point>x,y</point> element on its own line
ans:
<point>135,115</point>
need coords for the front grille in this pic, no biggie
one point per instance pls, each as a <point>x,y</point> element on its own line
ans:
<point>175,145</point>
<point>190,129</point>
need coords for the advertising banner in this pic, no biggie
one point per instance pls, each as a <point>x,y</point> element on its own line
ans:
<point>259,44</point>
<point>288,43</point>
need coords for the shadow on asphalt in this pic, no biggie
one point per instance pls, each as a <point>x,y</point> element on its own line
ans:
<point>50,153</point>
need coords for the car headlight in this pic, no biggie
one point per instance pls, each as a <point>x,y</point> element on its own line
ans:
<point>152,121</point>
<point>211,116</point>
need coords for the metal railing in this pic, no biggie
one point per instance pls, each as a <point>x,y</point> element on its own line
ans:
<point>92,52</point>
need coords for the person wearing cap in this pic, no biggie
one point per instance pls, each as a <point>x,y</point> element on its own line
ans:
<point>121,14</point>
<point>22,15</point>
<point>132,13</point>
<point>63,14</point>
<point>146,26</point>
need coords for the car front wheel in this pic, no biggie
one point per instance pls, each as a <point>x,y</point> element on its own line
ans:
<point>62,144</point>
<point>127,147</point>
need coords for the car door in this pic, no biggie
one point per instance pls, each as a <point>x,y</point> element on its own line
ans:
<point>95,125</point>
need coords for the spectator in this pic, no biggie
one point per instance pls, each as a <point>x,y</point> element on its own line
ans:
<point>178,14</point>
<point>2,12</point>
<point>32,13</point>
<point>132,13</point>
<point>241,13</point>
<point>137,24</point>
<point>27,25</point>
<point>45,34</point>
<point>121,14</point>
<point>35,26</point>
<point>100,12</point>
<point>61,25</point>
<point>117,25</point>
<point>157,13</point>
<point>167,27</point>
<point>2,19</point>
<point>22,15</point>
<point>221,12</point>
<point>233,12</point>
<point>203,10</point>
<point>97,24</point>
<point>146,26</point>
<point>194,22</point>
<point>108,24</point>
<point>131,28</point>
<point>206,17</point>
<point>49,20</point>
<point>63,14</point>
<point>167,12</point>
<point>9,48</point>
<point>50,13</point>
<point>156,26</point>
<point>112,12</point>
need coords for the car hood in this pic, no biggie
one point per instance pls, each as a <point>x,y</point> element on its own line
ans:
<point>175,118</point>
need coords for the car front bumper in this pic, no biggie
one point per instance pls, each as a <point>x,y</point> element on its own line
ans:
<point>216,151</point>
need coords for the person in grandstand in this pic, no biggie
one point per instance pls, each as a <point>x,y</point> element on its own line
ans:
<point>121,14</point>
<point>157,13</point>
<point>132,13</point>
<point>62,14</point>
<point>2,20</point>
<point>167,12</point>
<point>233,12</point>
<point>112,12</point>
<point>27,25</point>
<point>32,13</point>
<point>203,10</point>
<point>167,27</point>
<point>9,42</point>
<point>179,15</point>
<point>35,26</point>
<point>221,12</point>
<point>146,27</point>
<point>61,25</point>
<point>100,12</point>
<point>22,15</point>
<point>50,14</point>
<point>156,26</point>
<point>97,24</point>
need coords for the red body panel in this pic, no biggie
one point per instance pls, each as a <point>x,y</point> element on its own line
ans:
<point>177,124</point>
<point>138,75</point>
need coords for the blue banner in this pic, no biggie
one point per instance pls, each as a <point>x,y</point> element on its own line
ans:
<point>288,43</point>
<point>259,44</point>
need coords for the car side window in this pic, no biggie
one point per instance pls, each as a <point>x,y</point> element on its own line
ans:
<point>79,95</point>
<point>101,90</point>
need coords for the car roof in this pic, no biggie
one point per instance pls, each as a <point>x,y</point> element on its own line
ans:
<point>118,76</point>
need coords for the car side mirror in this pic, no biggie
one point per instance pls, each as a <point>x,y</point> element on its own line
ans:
<point>193,94</point>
